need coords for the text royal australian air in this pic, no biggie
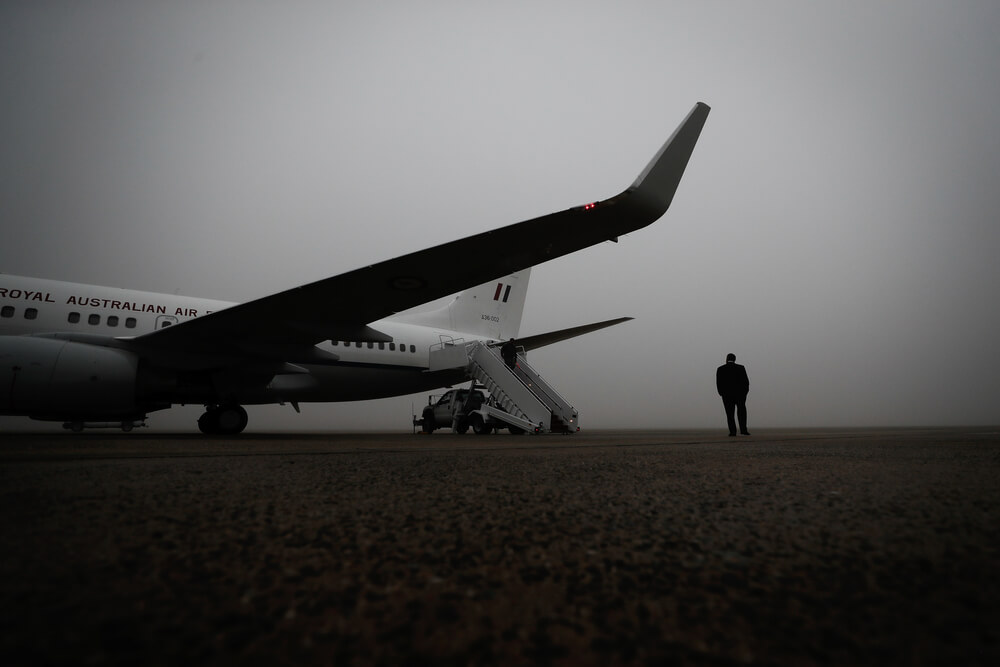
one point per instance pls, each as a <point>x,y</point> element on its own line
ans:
<point>68,354</point>
<point>15,294</point>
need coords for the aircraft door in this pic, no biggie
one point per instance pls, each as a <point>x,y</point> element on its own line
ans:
<point>164,321</point>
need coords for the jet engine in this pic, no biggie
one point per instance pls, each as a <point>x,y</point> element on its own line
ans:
<point>53,379</point>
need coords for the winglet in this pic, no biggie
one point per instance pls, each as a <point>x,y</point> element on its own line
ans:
<point>657,183</point>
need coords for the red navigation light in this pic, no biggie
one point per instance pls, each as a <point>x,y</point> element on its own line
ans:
<point>587,207</point>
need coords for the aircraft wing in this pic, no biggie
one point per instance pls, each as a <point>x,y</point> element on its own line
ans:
<point>341,307</point>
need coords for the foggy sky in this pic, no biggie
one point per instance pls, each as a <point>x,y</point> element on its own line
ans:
<point>836,228</point>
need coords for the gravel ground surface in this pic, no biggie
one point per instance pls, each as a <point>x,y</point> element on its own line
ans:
<point>787,547</point>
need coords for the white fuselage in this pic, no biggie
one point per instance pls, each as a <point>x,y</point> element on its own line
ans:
<point>34,307</point>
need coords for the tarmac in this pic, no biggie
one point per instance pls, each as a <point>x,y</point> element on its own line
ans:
<point>789,547</point>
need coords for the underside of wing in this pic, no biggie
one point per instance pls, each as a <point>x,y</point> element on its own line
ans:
<point>341,307</point>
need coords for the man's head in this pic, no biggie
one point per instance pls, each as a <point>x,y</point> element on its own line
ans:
<point>730,358</point>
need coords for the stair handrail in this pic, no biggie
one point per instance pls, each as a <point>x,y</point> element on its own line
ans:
<point>520,394</point>
<point>550,396</point>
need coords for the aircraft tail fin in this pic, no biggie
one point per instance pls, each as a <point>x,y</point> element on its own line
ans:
<point>492,309</point>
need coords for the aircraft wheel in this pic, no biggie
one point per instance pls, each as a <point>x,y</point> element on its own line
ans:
<point>208,423</point>
<point>479,426</point>
<point>231,419</point>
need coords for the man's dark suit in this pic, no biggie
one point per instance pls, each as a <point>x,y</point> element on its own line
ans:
<point>733,385</point>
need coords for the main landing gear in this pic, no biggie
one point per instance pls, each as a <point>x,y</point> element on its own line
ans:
<point>227,419</point>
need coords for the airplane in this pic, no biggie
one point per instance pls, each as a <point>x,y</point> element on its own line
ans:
<point>88,355</point>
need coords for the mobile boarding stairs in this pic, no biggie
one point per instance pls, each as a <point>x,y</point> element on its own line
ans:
<point>518,397</point>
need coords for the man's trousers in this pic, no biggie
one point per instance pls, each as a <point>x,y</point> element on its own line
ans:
<point>737,404</point>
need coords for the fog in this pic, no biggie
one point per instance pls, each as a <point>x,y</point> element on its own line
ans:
<point>836,228</point>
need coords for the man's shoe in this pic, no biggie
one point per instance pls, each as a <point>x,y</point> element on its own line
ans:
<point>732,435</point>
<point>745,433</point>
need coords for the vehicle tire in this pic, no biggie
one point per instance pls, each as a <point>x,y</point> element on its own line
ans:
<point>427,421</point>
<point>479,427</point>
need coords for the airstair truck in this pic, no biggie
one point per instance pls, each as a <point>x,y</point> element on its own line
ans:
<point>519,399</point>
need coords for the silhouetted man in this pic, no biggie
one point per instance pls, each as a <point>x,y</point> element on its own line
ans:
<point>509,353</point>
<point>733,385</point>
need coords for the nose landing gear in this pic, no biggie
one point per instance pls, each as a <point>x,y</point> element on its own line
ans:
<point>226,419</point>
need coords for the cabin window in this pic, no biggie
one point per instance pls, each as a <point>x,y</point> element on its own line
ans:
<point>94,319</point>
<point>74,318</point>
<point>7,311</point>
<point>30,313</point>
<point>334,343</point>
<point>381,345</point>
<point>112,320</point>
<point>392,346</point>
<point>413,348</point>
<point>358,344</point>
<point>130,323</point>
<point>371,345</point>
